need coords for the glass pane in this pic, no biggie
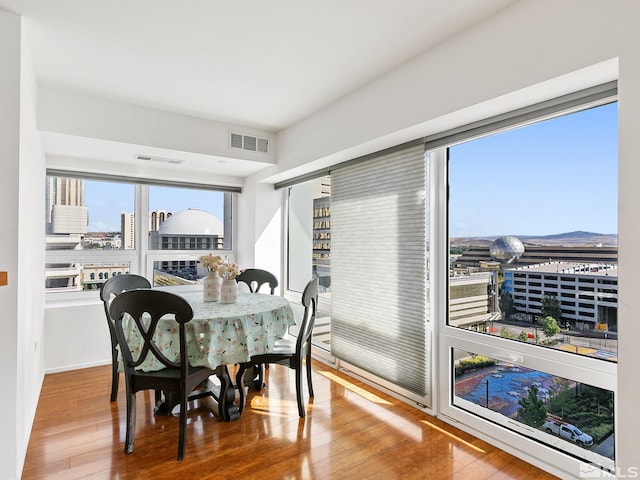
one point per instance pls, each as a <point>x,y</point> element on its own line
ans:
<point>310,234</point>
<point>69,277</point>
<point>88,215</point>
<point>573,417</point>
<point>534,236</point>
<point>188,219</point>
<point>309,243</point>
<point>177,272</point>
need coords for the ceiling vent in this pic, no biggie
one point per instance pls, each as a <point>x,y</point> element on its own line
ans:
<point>149,158</point>
<point>249,143</point>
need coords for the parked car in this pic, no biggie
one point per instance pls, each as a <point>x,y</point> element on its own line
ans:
<point>567,431</point>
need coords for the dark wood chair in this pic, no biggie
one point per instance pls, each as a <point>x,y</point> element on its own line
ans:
<point>255,278</point>
<point>290,353</point>
<point>178,379</point>
<point>109,289</point>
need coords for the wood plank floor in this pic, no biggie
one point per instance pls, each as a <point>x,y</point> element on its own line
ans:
<point>351,431</point>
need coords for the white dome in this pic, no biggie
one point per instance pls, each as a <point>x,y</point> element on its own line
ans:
<point>192,222</point>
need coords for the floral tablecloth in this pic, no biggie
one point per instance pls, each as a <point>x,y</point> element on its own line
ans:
<point>220,333</point>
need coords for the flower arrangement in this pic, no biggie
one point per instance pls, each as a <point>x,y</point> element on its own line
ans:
<point>211,262</point>
<point>229,271</point>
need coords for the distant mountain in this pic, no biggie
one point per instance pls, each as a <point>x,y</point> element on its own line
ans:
<point>569,239</point>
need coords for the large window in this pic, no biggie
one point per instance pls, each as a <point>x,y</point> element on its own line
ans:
<point>531,330</point>
<point>533,233</point>
<point>94,229</point>
<point>505,230</point>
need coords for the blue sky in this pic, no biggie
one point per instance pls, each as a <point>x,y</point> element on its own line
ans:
<point>551,177</point>
<point>106,201</point>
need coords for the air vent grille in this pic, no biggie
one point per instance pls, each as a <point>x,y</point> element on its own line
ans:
<point>236,140</point>
<point>148,158</point>
<point>249,143</point>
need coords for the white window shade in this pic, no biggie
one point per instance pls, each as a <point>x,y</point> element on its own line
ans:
<point>378,266</point>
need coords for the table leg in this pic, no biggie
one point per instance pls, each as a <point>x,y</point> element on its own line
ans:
<point>224,396</point>
<point>226,408</point>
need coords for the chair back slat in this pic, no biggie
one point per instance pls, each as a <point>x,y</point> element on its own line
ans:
<point>121,283</point>
<point>310,303</point>
<point>255,278</point>
<point>146,308</point>
<point>114,287</point>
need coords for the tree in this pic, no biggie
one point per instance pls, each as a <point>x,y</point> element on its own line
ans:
<point>550,327</point>
<point>506,333</point>
<point>550,307</point>
<point>562,399</point>
<point>523,336</point>
<point>505,302</point>
<point>532,410</point>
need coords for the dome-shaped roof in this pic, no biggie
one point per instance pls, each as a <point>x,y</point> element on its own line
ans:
<point>192,222</point>
<point>506,249</point>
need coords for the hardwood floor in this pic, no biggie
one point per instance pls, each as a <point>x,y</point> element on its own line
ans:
<point>351,431</point>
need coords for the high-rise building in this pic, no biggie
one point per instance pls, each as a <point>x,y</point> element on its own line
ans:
<point>66,212</point>
<point>127,226</point>
<point>127,229</point>
<point>67,220</point>
<point>156,218</point>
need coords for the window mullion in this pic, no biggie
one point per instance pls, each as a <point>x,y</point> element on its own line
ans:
<point>142,229</point>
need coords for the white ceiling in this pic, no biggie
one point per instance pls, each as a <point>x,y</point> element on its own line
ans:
<point>262,64</point>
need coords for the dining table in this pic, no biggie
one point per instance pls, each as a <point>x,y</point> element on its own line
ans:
<point>218,335</point>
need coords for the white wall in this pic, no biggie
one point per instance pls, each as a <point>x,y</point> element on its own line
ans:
<point>90,117</point>
<point>10,452</point>
<point>30,318</point>
<point>259,228</point>
<point>22,253</point>
<point>628,413</point>
<point>76,336</point>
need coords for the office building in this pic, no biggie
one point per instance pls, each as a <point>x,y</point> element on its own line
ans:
<point>588,293</point>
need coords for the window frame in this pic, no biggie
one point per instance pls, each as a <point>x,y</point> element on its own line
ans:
<point>141,258</point>
<point>507,434</point>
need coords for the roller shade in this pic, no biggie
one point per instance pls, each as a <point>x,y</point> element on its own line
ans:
<point>142,181</point>
<point>378,266</point>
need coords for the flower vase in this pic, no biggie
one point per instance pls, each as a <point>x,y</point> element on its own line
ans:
<point>211,287</point>
<point>229,291</point>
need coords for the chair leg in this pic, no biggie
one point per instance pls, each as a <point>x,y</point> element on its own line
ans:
<point>131,422</point>
<point>299,396</point>
<point>309,379</point>
<point>115,378</point>
<point>183,425</point>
